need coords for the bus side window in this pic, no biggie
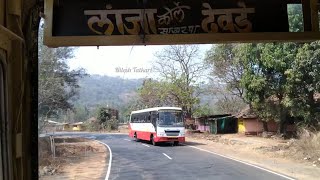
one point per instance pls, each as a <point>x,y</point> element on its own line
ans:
<point>149,117</point>
<point>134,118</point>
<point>154,118</point>
<point>146,120</point>
<point>140,118</point>
<point>144,117</point>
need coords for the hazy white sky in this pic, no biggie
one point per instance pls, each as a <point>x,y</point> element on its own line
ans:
<point>107,59</point>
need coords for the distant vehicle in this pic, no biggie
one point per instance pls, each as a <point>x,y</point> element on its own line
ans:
<point>159,124</point>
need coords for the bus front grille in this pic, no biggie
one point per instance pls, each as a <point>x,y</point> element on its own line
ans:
<point>172,133</point>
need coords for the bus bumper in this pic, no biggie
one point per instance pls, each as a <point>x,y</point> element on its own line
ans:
<point>169,139</point>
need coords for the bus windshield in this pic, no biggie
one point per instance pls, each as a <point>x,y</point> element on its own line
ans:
<point>170,118</point>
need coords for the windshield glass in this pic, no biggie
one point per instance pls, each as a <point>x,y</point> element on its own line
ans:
<point>170,118</point>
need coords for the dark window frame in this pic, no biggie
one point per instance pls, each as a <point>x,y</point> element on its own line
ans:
<point>144,117</point>
<point>4,171</point>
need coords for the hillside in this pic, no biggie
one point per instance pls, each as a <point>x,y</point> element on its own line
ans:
<point>98,90</point>
<point>116,92</point>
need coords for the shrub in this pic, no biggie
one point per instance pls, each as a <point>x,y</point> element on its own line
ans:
<point>308,143</point>
<point>111,124</point>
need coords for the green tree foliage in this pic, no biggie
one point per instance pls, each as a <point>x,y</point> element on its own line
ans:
<point>103,115</point>
<point>105,120</point>
<point>265,79</point>
<point>295,17</point>
<point>226,67</point>
<point>180,69</point>
<point>57,83</point>
<point>154,93</point>
<point>81,113</point>
<point>135,104</point>
<point>203,110</point>
<point>228,104</point>
<point>281,81</point>
<point>278,80</point>
<point>101,91</point>
<point>226,70</point>
<point>304,84</point>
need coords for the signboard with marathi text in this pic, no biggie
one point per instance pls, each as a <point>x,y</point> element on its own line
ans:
<point>138,22</point>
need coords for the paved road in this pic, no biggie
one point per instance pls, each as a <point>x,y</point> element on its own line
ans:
<point>140,160</point>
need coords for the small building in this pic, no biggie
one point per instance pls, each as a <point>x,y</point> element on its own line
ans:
<point>53,126</point>
<point>190,123</point>
<point>217,124</point>
<point>250,123</point>
<point>202,124</point>
<point>79,126</point>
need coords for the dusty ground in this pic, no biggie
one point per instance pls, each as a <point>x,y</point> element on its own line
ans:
<point>273,154</point>
<point>122,128</point>
<point>76,158</point>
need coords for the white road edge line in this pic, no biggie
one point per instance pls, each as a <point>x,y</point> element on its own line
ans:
<point>167,156</point>
<point>249,164</point>
<point>127,139</point>
<point>145,145</point>
<point>110,159</point>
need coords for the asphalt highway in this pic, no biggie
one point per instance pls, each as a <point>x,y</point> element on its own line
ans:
<point>132,160</point>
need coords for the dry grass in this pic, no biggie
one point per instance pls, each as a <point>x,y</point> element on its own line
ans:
<point>68,150</point>
<point>308,145</point>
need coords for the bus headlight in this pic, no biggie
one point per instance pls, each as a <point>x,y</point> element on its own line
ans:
<point>161,134</point>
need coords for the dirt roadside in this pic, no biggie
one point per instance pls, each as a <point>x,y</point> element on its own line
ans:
<point>271,154</point>
<point>76,158</point>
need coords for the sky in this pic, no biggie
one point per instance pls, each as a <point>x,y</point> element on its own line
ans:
<point>114,60</point>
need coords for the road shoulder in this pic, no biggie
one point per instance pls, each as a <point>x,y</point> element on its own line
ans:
<point>287,167</point>
<point>76,158</point>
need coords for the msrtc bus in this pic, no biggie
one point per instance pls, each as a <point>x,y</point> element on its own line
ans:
<point>159,124</point>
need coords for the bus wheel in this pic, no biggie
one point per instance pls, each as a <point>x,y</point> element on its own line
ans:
<point>176,143</point>
<point>135,136</point>
<point>153,142</point>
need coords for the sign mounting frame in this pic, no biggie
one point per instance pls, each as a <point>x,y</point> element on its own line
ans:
<point>166,39</point>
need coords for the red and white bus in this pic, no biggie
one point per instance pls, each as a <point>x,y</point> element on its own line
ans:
<point>159,124</point>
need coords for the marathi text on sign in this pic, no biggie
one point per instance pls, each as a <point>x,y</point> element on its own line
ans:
<point>137,21</point>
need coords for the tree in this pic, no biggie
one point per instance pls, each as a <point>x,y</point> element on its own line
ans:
<point>103,115</point>
<point>57,84</point>
<point>133,105</point>
<point>295,17</point>
<point>227,103</point>
<point>265,80</point>
<point>154,93</point>
<point>226,67</point>
<point>277,80</point>
<point>81,113</point>
<point>304,84</point>
<point>180,69</point>
<point>203,110</point>
<point>106,120</point>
